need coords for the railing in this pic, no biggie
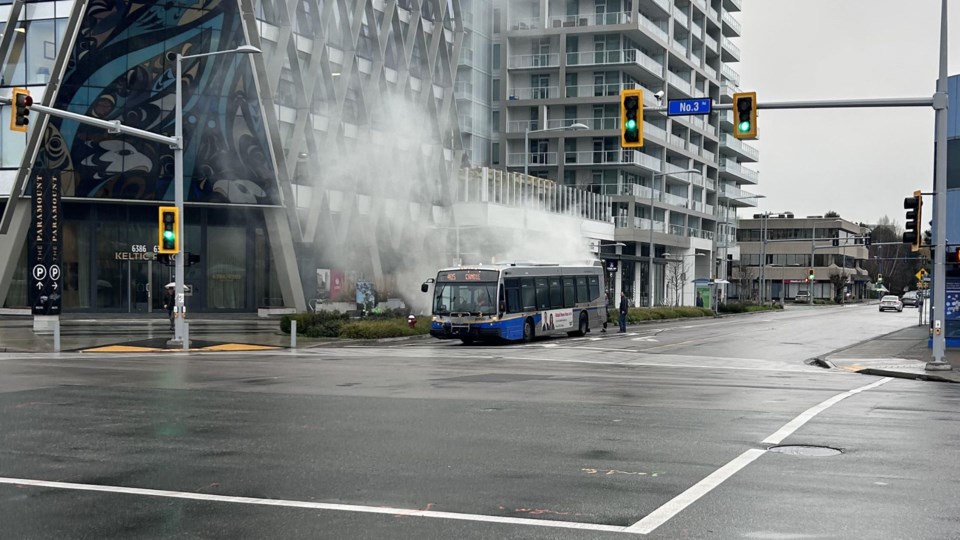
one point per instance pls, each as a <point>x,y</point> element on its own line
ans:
<point>696,29</point>
<point>733,192</point>
<point>607,89</point>
<point>711,43</point>
<point>627,56</point>
<point>640,192</point>
<point>730,142</point>
<point>539,92</point>
<point>678,81</point>
<point>535,158</point>
<point>521,126</point>
<point>652,27</point>
<point>609,122</point>
<point>675,200</point>
<point>680,16</point>
<point>733,167</point>
<point>730,74</point>
<point>493,186</point>
<point>710,71</point>
<point>655,131</point>
<point>708,155</point>
<point>714,14</point>
<point>677,141</point>
<point>528,23</point>
<point>729,45</point>
<point>696,205</point>
<point>664,4</point>
<point>677,230</point>
<point>708,209</point>
<point>596,19</point>
<point>522,61</point>
<point>732,23</point>
<point>610,157</point>
<point>680,47</point>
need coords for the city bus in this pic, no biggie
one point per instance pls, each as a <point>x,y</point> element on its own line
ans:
<point>516,301</point>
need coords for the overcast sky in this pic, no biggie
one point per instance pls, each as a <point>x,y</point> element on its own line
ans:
<point>858,162</point>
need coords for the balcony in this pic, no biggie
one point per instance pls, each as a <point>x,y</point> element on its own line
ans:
<point>732,5</point>
<point>528,23</point>
<point>679,83</point>
<point>664,5</point>
<point>534,61</point>
<point>710,71</point>
<point>535,158</point>
<point>598,124</point>
<point>538,92</point>
<point>608,58</point>
<point>597,19</point>
<point>680,48</point>
<point>712,44</point>
<point>644,224</point>
<point>729,51</point>
<point>696,30</point>
<point>612,157</point>
<point>740,173</point>
<point>639,192</point>
<point>612,89</point>
<point>675,200</point>
<point>714,14</point>
<point>654,29</point>
<point>736,196</point>
<point>730,75</point>
<point>743,151</point>
<point>731,27</point>
<point>680,17</point>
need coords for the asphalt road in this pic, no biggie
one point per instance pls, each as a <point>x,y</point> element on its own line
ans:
<point>668,431</point>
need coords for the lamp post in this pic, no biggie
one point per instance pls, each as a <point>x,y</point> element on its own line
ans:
<point>653,191</point>
<point>813,248</point>
<point>526,141</point>
<point>179,314</point>
<point>683,272</point>
<point>726,243</point>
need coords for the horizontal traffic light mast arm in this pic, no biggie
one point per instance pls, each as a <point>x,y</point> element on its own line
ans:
<point>825,104</point>
<point>112,126</point>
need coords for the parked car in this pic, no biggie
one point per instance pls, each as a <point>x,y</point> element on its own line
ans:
<point>890,302</point>
<point>910,298</point>
<point>802,297</point>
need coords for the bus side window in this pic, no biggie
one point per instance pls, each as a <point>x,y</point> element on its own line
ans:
<point>510,293</point>
<point>556,293</point>
<point>528,295</point>
<point>568,292</point>
<point>543,294</point>
<point>594,288</point>
<point>582,294</point>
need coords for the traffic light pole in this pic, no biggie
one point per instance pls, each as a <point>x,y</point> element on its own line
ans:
<point>940,206</point>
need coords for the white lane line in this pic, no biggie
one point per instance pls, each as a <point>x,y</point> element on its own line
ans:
<point>314,505</point>
<point>677,504</point>
<point>804,417</point>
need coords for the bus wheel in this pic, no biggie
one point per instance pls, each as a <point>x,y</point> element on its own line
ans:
<point>582,328</point>
<point>527,331</point>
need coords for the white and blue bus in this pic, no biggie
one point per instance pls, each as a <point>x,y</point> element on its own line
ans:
<point>516,301</point>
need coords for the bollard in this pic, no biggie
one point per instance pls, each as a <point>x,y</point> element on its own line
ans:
<point>186,336</point>
<point>293,333</point>
<point>56,335</point>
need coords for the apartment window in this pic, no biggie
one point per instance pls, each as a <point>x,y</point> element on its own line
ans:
<point>495,153</point>
<point>495,120</point>
<point>573,7</point>
<point>495,90</point>
<point>496,20</point>
<point>496,57</point>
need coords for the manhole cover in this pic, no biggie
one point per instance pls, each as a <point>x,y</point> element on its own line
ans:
<point>805,450</point>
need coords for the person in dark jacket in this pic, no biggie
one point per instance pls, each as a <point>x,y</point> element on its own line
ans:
<point>169,300</point>
<point>624,306</point>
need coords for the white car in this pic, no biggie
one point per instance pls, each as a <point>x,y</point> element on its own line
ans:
<point>890,302</point>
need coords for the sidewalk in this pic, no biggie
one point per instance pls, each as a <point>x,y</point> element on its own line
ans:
<point>79,332</point>
<point>902,354</point>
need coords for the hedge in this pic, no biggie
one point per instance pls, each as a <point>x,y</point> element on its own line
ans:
<point>635,315</point>
<point>334,324</point>
<point>746,307</point>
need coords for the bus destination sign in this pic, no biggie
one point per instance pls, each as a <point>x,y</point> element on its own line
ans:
<point>468,275</point>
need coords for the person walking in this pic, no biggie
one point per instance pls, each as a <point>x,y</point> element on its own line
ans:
<point>624,307</point>
<point>169,300</point>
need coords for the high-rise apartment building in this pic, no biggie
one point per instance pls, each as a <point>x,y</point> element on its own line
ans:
<point>558,68</point>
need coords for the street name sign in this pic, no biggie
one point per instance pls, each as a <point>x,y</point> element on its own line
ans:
<point>686,107</point>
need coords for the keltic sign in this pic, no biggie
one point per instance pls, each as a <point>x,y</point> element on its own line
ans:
<point>46,245</point>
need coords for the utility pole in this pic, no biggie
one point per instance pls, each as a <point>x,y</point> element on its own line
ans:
<point>940,205</point>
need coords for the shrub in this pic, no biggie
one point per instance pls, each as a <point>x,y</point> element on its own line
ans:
<point>320,324</point>
<point>383,328</point>
<point>659,313</point>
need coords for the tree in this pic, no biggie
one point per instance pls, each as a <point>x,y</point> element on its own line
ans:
<point>839,280</point>
<point>676,279</point>
<point>890,257</point>
<point>831,213</point>
<point>745,276</point>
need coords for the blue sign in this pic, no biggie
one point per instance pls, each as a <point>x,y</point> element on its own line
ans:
<point>684,107</point>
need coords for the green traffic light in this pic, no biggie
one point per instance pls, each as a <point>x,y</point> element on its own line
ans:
<point>168,235</point>
<point>744,126</point>
<point>631,125</point>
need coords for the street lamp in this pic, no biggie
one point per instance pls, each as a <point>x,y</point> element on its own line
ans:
<point>683,277</point>
<point>526,141</point>
<point>179,317</point>
<point>653,184</point>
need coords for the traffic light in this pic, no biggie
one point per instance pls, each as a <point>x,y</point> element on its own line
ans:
<point>745,115</point>
<point>810,275</point>
<point>914,207</point>
<point>879,278</point>
<point>20,115</point>
<point>169,241</point>
<point>631,119</point>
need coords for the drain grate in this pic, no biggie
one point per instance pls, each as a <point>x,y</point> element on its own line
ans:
<point>805,450</point>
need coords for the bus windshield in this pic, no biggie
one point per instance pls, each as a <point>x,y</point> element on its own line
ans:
<point>475,298</point>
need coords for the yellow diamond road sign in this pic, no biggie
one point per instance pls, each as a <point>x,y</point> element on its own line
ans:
<point>922,273</point>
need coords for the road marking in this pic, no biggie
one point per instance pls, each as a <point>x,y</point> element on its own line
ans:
<point>805,417</point>
<point>407,512</point>
<point>677,504</point>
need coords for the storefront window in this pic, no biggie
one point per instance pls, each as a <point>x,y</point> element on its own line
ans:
<point>226,271</point>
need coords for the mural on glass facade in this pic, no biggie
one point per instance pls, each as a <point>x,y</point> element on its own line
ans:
<point>122,67</point>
